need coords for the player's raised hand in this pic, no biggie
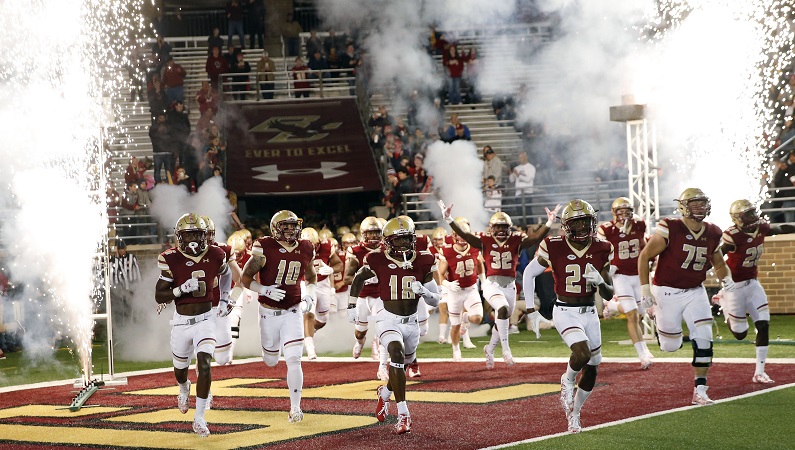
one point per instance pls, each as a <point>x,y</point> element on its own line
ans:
<point>447,211</point>
<point>552,215</point>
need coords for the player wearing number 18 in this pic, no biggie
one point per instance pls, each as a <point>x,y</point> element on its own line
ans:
<point>281,260</point>
<point>188,274</point>
<point>687,249</point>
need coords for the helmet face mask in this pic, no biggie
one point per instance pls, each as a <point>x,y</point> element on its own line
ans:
<point>578,221</point>
<point>438,237</point>
<point>191,232</point>
<point>694,204</point>
<point>399,238</point>
<point>371,238</point>
<point>210,230</point>
<point>744,215</point>
<point>286,227</point>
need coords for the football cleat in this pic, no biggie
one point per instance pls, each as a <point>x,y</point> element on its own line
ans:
<point>508,358</point>
<point>513,329</point>
<point>296,415</point>
<point>574,423</point>
<point>200,427</point>
<point>700,396</point>
<point>383,372</point>
<point>457,354</point>
<point>467,341</point>
<point>209,404</point>
<point>309,344</point>
<point>382,408</point>
<point>442,340</point>
<point>489,356</point>
<point>357,350</point>
<point>183,399</point>
<point>567,395</point>
<point>403,424</point>
<point>762,378</point>
<point>375,350</point>
<point>413,370</point>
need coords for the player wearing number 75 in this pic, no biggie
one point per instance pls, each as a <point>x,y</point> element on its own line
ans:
<point>281,260</point>
<point>686,249</point>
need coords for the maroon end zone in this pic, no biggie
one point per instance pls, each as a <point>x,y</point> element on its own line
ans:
<point>622,392</point>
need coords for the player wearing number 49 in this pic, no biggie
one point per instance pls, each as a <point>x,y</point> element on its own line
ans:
<point>743,243</point>
<point>188,274</point>
<point>281,260</point>
<point>580,265</point>
<point>687,248</point>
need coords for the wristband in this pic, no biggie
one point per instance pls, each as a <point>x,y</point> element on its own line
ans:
<point>310,290</point>
<point>549,223</point>
<point>449,220</point>
<point>645,290</point>
<point>177,292</point>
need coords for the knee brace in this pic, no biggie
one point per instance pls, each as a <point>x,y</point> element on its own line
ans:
<point>702,353</point>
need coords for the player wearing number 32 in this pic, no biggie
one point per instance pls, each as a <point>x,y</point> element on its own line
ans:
<point>404,275</point>
<point>281,260</point>
<point>580,265</point>
<point>188,274</point>
<point>686,249</point>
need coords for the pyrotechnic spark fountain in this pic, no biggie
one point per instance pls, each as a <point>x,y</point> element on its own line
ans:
<point>62,64</point>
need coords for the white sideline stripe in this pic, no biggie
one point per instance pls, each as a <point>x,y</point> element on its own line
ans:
<point>348,359</point>
<point>645,416</point>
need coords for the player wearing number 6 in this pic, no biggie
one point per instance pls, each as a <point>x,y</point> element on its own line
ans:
<point>188,274</point>
<point>281,260</point>
<point>627,233</point>
<point>687,249</point>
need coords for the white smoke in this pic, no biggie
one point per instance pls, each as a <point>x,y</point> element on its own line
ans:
<point>170,202</point>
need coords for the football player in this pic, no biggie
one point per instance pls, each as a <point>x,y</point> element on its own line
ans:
<point>685,248</point>
<point>404,275</point>
<point>360,305</point>
<point>347,240</point>
<point>743,243</point>
<point>580,266</point>
<point>458,269</point>
<point>188,274</point>
<point>627,234</point>
<point>281,260</point>
<point>500,249</point>
<point>326,263</point>
<point>438,238</point>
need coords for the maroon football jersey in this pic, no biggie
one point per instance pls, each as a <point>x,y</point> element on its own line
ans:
<point>501,256</point>
<point>394,283</point>
<point>688,256</point>
<point>217,289</point>
<point>748,248</point>
<point>358,252</point>
<point>568,264</point>
<point>422,243</point>
<point>338,276</point>
<point>323,253</point>
<point>461,265</point>
<point>206,267</point>
<point>284,267</point>
<point>626,246</point>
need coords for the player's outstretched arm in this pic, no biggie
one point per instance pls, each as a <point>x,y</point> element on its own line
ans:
<point>358,281</point>
<point>470,238</point>
<point>783,228</point>
<point>536,235</point>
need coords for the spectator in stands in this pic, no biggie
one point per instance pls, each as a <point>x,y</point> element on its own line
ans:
<point>234,16</point>
<point>162,148</point>
<point>207,98</point>
<point>291,31</point>
<point>179,130</point>
<point>493,195</point>
<point>241,69</point>
<point>457,130</point>
<point>129,209</point>
<point>135,170</point>
<point>350,61</point>
<point>492,165</point>
<point>472,73</point>
<point>162,51</point>
<point>313,44</point>
<point>785,178</point>
<point>418,172</point>
<point>157,97</point>
<point>300,74</point>
<point>401,130</point>
<point>334,42</point>
<point>523,176</point>
<point>183,179</point>
<point>255,22</point>
<point>454,64</point>
<point>216,66</point>
<point>231,55</point>
<point>174,81</point>
<point>266,74</point>
<point>214,40</point>
<point>318,65</point>
<point>136,70</point>
<point>333,61</point>
<point>503,107</point>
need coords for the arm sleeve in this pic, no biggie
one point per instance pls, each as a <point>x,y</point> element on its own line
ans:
<point>532,270</point>
<point>432,297</point>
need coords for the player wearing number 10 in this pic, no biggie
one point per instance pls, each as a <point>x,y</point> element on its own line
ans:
<point>687,248</point>
<point>281,260</point>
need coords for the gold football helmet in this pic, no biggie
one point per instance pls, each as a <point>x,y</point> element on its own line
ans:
<point>500,225</point>
<point>744,215</point>
<point>381,221</point>
<point>438,236</point>
<point>210,229</point>
<point>694,203</point>
<point>286,226</point>
<point>325,234</point>
<point>311,235</point>
<point>622,210</point>
<point>191,233</point>
<point>578,220</point>
<point>371,232</point>
<point>342,230</point>
<point>237,242</point>
<point>348,240</point>
<point>399,236</point>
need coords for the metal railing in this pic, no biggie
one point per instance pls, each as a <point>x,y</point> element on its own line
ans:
<point>322,83</point>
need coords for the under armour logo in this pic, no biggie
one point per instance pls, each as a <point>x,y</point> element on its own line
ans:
<point>328,169</point>
<point>206,260</point>
<point>588,256</point>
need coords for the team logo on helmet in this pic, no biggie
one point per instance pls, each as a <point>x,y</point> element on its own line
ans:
<point>578,220</point>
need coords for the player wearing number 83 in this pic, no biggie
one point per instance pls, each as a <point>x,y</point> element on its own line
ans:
<point>281,260</point>
<point>687,249</point>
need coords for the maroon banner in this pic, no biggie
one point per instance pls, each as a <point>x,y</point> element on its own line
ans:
<point>312,147</point>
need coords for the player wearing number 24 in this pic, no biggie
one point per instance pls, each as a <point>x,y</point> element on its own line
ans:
<point>280,261</point>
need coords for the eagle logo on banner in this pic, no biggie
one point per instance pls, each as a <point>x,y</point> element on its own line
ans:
<point>295,128</point>
<point>328,169</point>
